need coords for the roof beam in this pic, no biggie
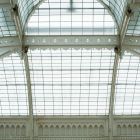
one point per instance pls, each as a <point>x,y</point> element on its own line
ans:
<point>118,54</point>
<point>125,25</point>
<point>96,40</point>
<point>16,17</point>
<point>112,95</point>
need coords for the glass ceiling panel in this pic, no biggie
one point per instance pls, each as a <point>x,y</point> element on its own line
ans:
<point>82,17</point>
<point>71,82</point>
<point>118,8</point>
<point>127,98</point>
<point>134,24</point>
<point>25,7</point>
<point>13,91</point>
<point>7,25</point>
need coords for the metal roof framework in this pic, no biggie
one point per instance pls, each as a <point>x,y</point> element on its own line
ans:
<point>122,43</point>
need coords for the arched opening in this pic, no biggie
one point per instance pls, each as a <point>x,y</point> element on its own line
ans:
<point>57,18</point>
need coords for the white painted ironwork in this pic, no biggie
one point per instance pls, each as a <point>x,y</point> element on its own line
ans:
<point>26,63</point>
<point>69,128</point>
<point>111,105</point>
<point>96,40</point>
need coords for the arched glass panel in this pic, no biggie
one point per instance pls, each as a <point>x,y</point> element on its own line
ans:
<point>118,8</point>
<point>81,17</point>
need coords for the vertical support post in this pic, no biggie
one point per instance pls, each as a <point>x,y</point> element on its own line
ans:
<point>111,106</point>
<point>118,54</point>
<point>27,71</point>
<point>114,77</point>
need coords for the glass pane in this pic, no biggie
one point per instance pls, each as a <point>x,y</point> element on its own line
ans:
<point>71,82</point>
<point>25,8</point>
<point>127,97</point>
<point>7,25</point>
<point>134,24</point>
<point>63,18</point>
<point>118,8</point>
<point>13,91</point>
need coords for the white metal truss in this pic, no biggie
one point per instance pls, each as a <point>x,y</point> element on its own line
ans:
<point>26,63</point>
<point>97,40</point>
<point>118,54</point>
<point>6,44</point>
<point>111,105</point>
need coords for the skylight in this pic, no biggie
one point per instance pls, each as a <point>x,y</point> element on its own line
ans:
<point>13,88</point>
<point>71,82</point>
<point>56,17</point>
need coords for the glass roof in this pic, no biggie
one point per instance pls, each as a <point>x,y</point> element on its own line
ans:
<point>13,90</point>
<point>118,8</point>
<point>25,8</point>
<point>68,81</point>
<point>60,17</point>
<point>71,82</point>
<point>127,98</point>
<point>7,25</point>
<point>134,24</point>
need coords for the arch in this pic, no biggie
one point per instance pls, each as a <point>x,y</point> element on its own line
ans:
<point>57,131</point>
<point>135,130</point>
<point>101,131</point>
<point>117,7</point>
<point>23,130</point>
<point>18,130</point>
<point>96,131</point>
<point>13,130</point>
<point>129,130</point>
<point>1,130</point>
<point>26,8</point>
<point>85,130</point>
<point>7,130</point>
<point>31,13</point>
<point>46,131</point>
<point>118,130</point>
<point>138,131</point>
<point>90,130</point>
<point>40,130</point>
<point>73,130</point>
<point>68,131</point>
<point>63,130</point>
<point>51,130</point>
<point>81,27</point>
<point>108,4</point>
<point>79,131</point>
<point>124,130</point>
<point>111,13</point>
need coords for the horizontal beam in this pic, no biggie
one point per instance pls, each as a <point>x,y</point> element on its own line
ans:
<point>9,41</point>
<point>71,40</point>
<point>96,40</point>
